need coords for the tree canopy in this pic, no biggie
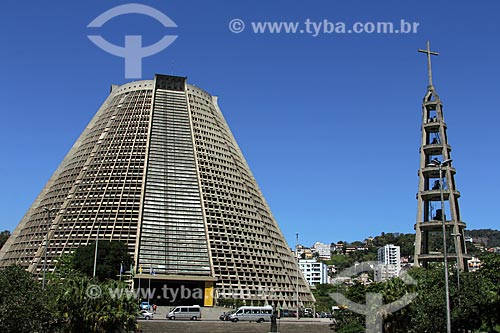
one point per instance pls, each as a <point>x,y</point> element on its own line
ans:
<point>23,304</point>
<point>111,256</point>
<point>4,235</point>
<point>474,300</point>
<point>72,302</point>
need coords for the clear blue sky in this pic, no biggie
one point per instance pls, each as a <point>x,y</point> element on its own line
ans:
<point>330,125</point>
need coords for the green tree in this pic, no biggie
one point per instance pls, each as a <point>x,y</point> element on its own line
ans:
<point>469,302</point>
<point>340,261</point>
<point>487,237</point>
<point>65,267</point>
<point>490,274</point>
<point>23,303</point>
<point>471,306</point>
<point>230,302</point>
<point>406,242</point>
<point>349,323</point>
<point>110,257</point>
<point>4,235</point>
<point>322,293</point>
<point>474,304</point>
<point>82,305</point>
<point>428,312</point>
<point>394,290</point>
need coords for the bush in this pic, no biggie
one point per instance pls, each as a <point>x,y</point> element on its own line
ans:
<point>23,303</point>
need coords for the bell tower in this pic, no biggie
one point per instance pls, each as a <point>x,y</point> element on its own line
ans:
<point>439,228</point>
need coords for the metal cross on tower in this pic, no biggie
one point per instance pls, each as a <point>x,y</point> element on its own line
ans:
<point>439,228</point>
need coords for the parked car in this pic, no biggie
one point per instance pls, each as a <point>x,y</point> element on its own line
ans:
<point>258,314</point>
<point>306,314</point>
<point>185,312</point>
<point>145,314</point>
<point>225,315</point>
<point>288,313</point>
<point>144,306</point>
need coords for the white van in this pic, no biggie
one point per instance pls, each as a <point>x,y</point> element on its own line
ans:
<point>185,312</point>
<point>252,313</point>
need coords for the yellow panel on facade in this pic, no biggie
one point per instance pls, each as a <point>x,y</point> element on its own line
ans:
<point>209,294</point>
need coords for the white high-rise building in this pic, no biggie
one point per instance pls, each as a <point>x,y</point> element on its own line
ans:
<point>389,258</point>
<point>323,250</point>
<point>314,272</point>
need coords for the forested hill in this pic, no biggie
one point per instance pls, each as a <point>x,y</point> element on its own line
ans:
<point>486,237</point>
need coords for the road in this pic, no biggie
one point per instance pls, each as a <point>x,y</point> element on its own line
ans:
<point>210,323</point>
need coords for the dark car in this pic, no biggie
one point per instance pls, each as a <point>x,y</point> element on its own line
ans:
<point>225,315</point>
<point>288,313</point>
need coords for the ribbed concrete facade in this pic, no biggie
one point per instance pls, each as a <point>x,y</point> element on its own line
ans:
<point>158,168</point>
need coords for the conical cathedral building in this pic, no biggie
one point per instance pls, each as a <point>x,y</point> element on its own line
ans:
<point>158,168</point>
